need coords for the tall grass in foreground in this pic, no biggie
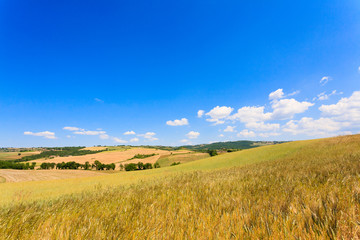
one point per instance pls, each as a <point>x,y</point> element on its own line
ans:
<point>313,193</point>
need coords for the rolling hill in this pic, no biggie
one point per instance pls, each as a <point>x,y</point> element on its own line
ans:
<point>295,190</point>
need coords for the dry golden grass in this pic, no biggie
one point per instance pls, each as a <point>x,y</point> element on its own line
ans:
<point>111,156</point>
<point>12,175</point>
<point>94,148</point>
<point>5,156</point>
<point>167,160</point>
<point>309,190</point>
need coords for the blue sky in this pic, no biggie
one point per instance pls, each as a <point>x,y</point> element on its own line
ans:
<point>86,72</point>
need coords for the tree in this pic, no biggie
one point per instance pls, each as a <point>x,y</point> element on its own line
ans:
<point>130,167</point>
<point>156,165</point>
<point>86,165</point>
<point>147,166</point>
<point>212,153</point>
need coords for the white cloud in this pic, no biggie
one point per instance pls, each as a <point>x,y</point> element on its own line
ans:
<point>276,94</point>
<point>323,96</point>
<point>149,136</point>
<point>104,136</point>
<point>251,114</point>
<point>312,127</point>
<point>346,109</point>
<point>287,108</point>
<point>193,135</point>
<point>325,80</point>
<point>221,135</point>
<point>134,140</point>
<point>178,122</point>
<point>45,134</point>
<point>359,68</point>
<point>293,93</point>
<point>129,133</point>
<point>246,133</point>
<point>218,113</point>
<point>98,100</point>
<point>261,126</point>
<point>230,129</point>
<point>72,128</point>
<point>184,141</point>
<point>118,140</point>
<point>200,113</point>
<point>91,133</point>
<point>215,121</point>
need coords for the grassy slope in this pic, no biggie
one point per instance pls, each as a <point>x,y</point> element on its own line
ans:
<point>166,161</point>
<point>307,190</point>
<point>28,191</point>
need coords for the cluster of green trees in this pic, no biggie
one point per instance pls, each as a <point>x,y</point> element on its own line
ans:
<point>60,152</point>
<point>138,166</point>
<point>142,156</point>
<point>16,165</point>
<point>212,153</point>
<point>74,165</point>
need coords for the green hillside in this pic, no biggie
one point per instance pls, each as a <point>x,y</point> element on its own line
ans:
<point>231,145</point>
<point>295,190</point>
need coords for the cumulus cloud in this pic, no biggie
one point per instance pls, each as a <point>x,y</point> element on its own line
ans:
<point>287,108</point>
<point>346,109</point>
<point>185,141</point>
<point>149,136</point>
<point>200,113</point>
<point>178,122</point>
<point>246,133</point>
<point>218,113</point>
<point>230,129</point>
<point>193,135</point>
<point>45,134</point>
<point>324,80</point>
<point>261,126</point>
<point>129,133</point>
<point>134,140</point>
<point>118,140</point>
<point>313,127</point>
<point>72,128</point>
<point>251,114</point>
<point>221,135</point>
<point>276,94</point>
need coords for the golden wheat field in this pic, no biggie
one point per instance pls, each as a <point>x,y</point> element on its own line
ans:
<point>11,175</point>
<point>114,156</point>
<point>297,190</point>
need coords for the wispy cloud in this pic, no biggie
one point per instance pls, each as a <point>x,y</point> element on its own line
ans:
<point>45,134</point>
<point>324,80</point>
<point>99,100</point>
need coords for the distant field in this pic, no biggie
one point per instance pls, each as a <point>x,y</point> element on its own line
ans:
<point>4,156</point>
<point>94,148</point>
<point>10,175</point>
<point>167,160</point>
<point>121,156</point>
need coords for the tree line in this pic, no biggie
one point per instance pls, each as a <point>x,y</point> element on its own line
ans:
<point>138,166</point>
<point>16,165</point>
<point>59,152</point>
